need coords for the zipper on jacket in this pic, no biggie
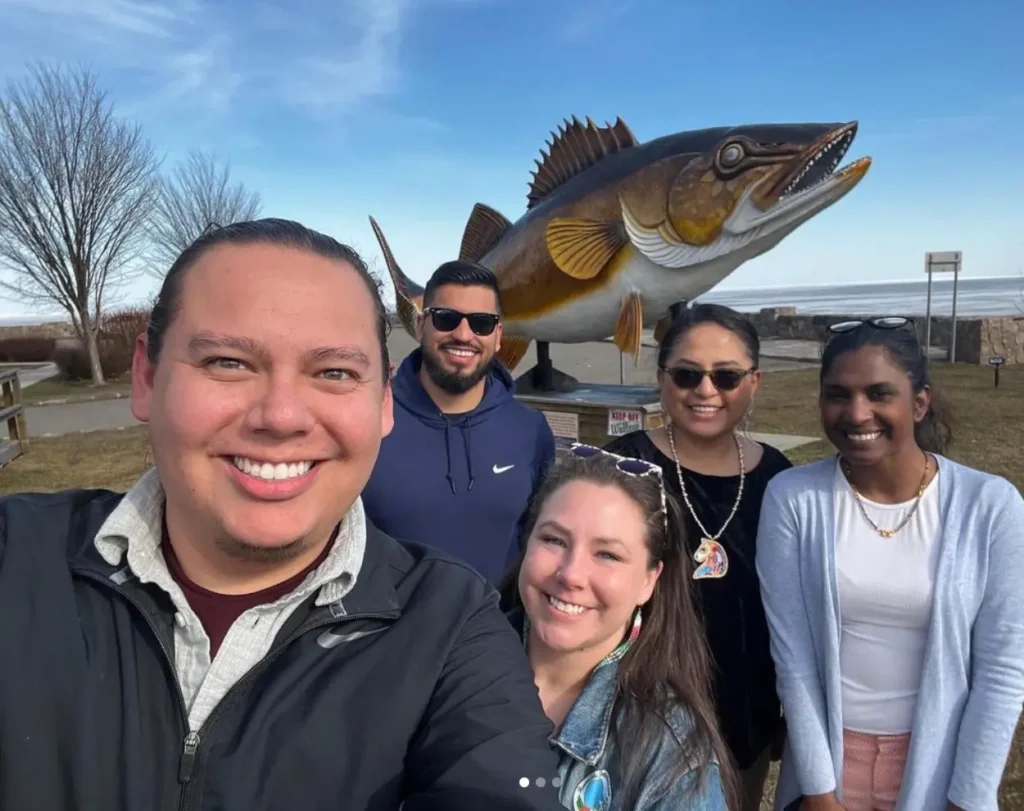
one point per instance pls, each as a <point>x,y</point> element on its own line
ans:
<point>188,757</point>
<point>189,752</point>
<point>193,739</point>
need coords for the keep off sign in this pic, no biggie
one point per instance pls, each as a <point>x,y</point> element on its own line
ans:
<point>622,421</point>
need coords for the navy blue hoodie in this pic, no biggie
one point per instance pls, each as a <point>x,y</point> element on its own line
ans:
<point>459,482</point>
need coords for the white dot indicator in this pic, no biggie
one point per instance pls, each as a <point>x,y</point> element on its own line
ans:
<point>524,782</point>
<point>557,782</point>
<point>540,782</point>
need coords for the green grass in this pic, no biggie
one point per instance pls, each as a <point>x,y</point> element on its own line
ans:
<point>988,434</point>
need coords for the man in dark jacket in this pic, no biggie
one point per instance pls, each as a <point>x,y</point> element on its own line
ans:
<point>232,633</point>
<point>464,457</point>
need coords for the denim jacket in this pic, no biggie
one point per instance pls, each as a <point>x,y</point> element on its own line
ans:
<point>588,772</point>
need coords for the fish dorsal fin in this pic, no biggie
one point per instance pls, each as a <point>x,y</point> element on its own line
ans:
<point>483,231</point>
<point>576,147</point>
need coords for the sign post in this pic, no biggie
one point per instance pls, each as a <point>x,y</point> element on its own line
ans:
<point>941,262</point>
<point>995,362</point>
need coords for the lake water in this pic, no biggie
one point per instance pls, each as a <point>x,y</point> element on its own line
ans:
<point>997,295</point>
<point>1000,295</point>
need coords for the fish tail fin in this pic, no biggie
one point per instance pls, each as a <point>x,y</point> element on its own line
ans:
<point>513,348</point>
<point>408,294</point>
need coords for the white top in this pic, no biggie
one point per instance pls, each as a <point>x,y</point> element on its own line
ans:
<point>885,602</point>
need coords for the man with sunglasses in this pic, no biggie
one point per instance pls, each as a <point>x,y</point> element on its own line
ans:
<point>464,457</point>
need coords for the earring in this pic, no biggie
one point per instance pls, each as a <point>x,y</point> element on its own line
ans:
<point>638,621</point>
<point>746,420</point>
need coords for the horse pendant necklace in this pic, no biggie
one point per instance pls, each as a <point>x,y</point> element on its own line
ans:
<point>712,561</point>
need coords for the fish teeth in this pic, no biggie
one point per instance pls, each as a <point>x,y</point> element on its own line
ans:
<point>817,156</point>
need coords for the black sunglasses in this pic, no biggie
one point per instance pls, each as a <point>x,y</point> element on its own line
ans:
<point>888,322</point>
<point>446,320</point>
<point>685,377</point>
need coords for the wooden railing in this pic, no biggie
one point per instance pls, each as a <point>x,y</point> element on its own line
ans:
<point>13,414</point>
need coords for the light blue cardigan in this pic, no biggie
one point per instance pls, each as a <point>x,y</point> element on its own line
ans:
<point>973,682</point>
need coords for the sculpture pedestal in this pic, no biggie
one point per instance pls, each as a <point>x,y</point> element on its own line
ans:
<point>596,413</point>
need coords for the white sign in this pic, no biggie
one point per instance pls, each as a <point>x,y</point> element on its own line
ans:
<point>943,261</point>
<point>563,424</point>
<point>622,421</point>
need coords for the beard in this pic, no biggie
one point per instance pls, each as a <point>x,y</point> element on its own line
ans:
<point>454,382</point>
<point>253,553</point>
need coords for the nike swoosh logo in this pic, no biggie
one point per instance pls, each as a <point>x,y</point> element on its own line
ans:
<point>497,469</point>
<point>331,639</point>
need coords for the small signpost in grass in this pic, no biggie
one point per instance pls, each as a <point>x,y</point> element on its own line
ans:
<point>996,362</point>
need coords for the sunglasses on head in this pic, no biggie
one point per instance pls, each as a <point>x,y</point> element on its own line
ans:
<point>638,468</point>
<point>888,322</point>
<point>686,377</point>
<point>447,320</point>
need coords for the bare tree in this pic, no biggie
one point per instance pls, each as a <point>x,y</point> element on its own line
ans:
<point>76,188</point>
<point>197,196</point>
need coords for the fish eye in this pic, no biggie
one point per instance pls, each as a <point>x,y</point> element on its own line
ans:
<point>731,155</point>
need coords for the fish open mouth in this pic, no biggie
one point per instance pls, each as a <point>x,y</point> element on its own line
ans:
<point>818,163</point>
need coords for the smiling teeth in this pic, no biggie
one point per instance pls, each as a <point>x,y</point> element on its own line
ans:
<point>464,353</point>
<point>269,472</point>
<point>567,608</point>
<point>705,409</point>
<point>865,437</point>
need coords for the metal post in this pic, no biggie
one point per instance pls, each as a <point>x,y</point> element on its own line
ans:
<point>622,368</point>
<point>928,310</point>
<point>952,339</point>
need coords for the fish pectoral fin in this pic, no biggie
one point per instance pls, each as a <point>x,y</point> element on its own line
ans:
<point>629,329</point>
<point>513,348</point>
<point>582,248</point>
<point>484,230</point>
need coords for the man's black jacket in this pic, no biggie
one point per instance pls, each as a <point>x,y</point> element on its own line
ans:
<point>415,691</point>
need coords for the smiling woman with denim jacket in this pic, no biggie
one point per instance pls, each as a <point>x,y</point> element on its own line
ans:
<point>612,634</point>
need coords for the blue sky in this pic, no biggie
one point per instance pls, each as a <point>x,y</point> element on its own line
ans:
<point>413,110</point>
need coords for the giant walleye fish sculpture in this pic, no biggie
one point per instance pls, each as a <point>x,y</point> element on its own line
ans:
<point>616,231</point>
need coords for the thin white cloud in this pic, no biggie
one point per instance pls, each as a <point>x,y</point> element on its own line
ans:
<point>323,58</point>
<point>593,16</point>
<point>363,63</point>
<point>146,18</point>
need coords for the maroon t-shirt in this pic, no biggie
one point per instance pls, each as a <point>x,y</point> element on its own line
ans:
<point>218,612</point>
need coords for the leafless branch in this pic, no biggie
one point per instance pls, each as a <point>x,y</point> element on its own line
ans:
<point>198,195</point>
<point>77,185</point>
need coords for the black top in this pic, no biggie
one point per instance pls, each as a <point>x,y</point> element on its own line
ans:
<point>91,715</point>
<point>737,631</point>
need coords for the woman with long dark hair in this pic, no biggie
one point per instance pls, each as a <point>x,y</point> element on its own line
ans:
<point>612,635</point>
<point>892,580</point>
<point>709,376</point>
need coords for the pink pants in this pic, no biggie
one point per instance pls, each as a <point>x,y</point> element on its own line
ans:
<point>873,770</point>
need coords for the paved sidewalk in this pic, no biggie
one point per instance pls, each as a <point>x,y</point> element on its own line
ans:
<point>594,362</point>
<point>97,415</point>
<point>783,442</point>
<point>28,375</point>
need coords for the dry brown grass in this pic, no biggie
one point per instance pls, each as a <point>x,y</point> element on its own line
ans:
<point>989,427</point>
<point>112,459</point>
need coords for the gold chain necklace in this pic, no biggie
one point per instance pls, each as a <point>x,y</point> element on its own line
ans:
<point>888,533</point>
<point>710,555</point>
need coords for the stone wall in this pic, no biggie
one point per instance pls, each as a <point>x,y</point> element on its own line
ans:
<point>54,329</point>
<point>1003,337</point>
<point>978,339</point>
